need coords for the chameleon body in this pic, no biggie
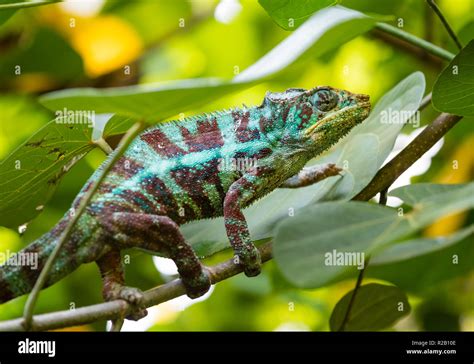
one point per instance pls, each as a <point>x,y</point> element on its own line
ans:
<point>182,171</point>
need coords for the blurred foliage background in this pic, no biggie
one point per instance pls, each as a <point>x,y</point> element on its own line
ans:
<point>91,43</point>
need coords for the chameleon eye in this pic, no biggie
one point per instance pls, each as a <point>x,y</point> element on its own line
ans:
<point>324,100</point>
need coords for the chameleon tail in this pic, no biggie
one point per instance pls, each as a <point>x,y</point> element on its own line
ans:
<point>19,274</point>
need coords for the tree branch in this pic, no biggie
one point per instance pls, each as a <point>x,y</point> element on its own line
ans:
<point>413,151</point>
<point>113,309</point>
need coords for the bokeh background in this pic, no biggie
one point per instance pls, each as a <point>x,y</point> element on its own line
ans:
<point>90,43</point>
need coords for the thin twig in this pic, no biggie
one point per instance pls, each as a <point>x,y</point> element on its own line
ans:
<point>113,309</point>
<point>450,30</point>
<point>33,297</point>
<point>360,277</point>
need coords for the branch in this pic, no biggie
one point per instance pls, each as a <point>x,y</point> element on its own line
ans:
<point>120,308</point>
<point>413,151</point>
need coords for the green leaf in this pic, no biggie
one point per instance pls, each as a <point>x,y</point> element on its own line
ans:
<point>362,152</point>
<point>117,125</point>
<point>413,248</point>
<point>290,14</point>
<point>466,33</point>
<point>322,32</point>
<point>63,63</point>
<point>8,7</point>
<point>453,91</point>
<point>153,101</point>
<point>303,243</point>
<point>413,194</point>
<point>31,173</point>
<point>8,4</point>
<point>375,307</point>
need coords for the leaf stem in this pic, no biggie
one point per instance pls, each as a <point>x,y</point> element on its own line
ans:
<point>354,293</point>
<point>450,30</point>
<point>33,297</point>
<point>421,43</point>
<point>102,144</point>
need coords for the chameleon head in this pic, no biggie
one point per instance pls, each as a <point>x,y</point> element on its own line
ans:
<point>335,113</point>
<point>321,116</point>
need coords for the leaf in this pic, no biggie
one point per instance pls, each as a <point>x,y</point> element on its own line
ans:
<point>413,194</point>
<point>413,248</point>
<point>362,151</point>
<point>117,125</point>
<point>430,269</point>
<point>154,101</point>
<point>31,173</point>
<point>161,100</point>
<point>324,31</point>
<point>453,91</point>
<point>63,62</point>
<point>466,33</point>
<point>9,4</point>
<point>375,307</point>
<point>290,14</point>
<point>8,7</point>
<point>303,243</point>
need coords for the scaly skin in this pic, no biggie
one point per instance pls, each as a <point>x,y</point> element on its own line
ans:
<point>182,171</point>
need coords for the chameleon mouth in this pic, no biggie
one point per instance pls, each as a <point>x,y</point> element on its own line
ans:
<point>353,114</point>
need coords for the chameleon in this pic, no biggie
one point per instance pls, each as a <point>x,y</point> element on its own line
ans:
<point>184,170</point>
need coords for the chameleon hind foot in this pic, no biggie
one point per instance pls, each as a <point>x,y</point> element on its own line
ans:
<point>111,269</point>
<point>160,234</point>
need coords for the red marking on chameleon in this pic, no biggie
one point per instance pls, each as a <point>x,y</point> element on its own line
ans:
<point>161,144</point>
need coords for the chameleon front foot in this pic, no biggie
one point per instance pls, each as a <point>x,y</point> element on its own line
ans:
<point>198,285</point>
<point>250,260</point>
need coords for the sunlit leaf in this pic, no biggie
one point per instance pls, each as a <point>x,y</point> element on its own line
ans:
<point>289,14</point>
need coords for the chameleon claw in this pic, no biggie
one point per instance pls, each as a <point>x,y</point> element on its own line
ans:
<point>136,298</point>
<point>198,285</point>
<point>252,262</point>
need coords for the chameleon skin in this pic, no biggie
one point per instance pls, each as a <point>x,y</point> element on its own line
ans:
<point>177,172</point>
